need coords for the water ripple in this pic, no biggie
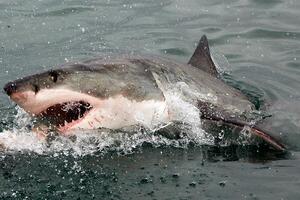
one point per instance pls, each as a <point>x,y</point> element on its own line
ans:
<point>62,12</point>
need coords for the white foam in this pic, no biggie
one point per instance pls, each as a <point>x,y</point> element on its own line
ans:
<point>184,111</point>
<point>16,140</point>
<point>19,138</point>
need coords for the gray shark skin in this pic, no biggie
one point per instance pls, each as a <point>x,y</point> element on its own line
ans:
<point>111,92</point>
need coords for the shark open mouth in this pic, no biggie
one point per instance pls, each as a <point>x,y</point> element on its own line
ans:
<point>65,115</point>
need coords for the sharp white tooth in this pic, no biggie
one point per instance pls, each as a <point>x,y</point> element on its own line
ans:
<point>66,122</point>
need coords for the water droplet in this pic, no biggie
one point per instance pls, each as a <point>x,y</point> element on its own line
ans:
<point>222,183</point>
<point>193,184</point>
<point>145,180</point>
<point>163,179</point>
<point>176,175</point>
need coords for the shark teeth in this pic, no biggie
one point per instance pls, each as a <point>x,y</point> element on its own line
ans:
<point>66,114</point>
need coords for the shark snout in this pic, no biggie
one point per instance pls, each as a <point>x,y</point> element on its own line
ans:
<point>10,88</point>
<point>17,94</point>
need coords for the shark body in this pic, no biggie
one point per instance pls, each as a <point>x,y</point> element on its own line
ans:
<point>115,92</point>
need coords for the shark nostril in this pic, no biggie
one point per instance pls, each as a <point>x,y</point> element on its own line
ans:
<point>10,88</point>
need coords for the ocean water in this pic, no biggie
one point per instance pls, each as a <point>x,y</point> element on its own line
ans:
<point>261,43</point>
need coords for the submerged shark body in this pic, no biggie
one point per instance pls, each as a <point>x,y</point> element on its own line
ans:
<point>116,92</point>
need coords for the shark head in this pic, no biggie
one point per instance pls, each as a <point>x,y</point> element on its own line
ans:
<point>58,95</point>
<point>88,96</point>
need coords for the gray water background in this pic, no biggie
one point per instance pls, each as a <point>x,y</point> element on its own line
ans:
<point>261,40</point>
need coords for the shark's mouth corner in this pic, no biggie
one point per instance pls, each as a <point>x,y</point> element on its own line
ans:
<point>65,115</point>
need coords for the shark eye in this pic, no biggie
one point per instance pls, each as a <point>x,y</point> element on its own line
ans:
<point>53,75</point>
<point>36,88</point>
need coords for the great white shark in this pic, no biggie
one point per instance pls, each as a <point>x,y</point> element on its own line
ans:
<point>114,92</point>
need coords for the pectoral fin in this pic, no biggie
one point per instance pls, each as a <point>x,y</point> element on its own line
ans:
<point>212,113</point>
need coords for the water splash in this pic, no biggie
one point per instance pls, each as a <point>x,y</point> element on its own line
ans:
<point>21,138</point>
<point>220,61</point>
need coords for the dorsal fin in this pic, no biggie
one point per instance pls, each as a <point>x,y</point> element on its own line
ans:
<point>202,59</point>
